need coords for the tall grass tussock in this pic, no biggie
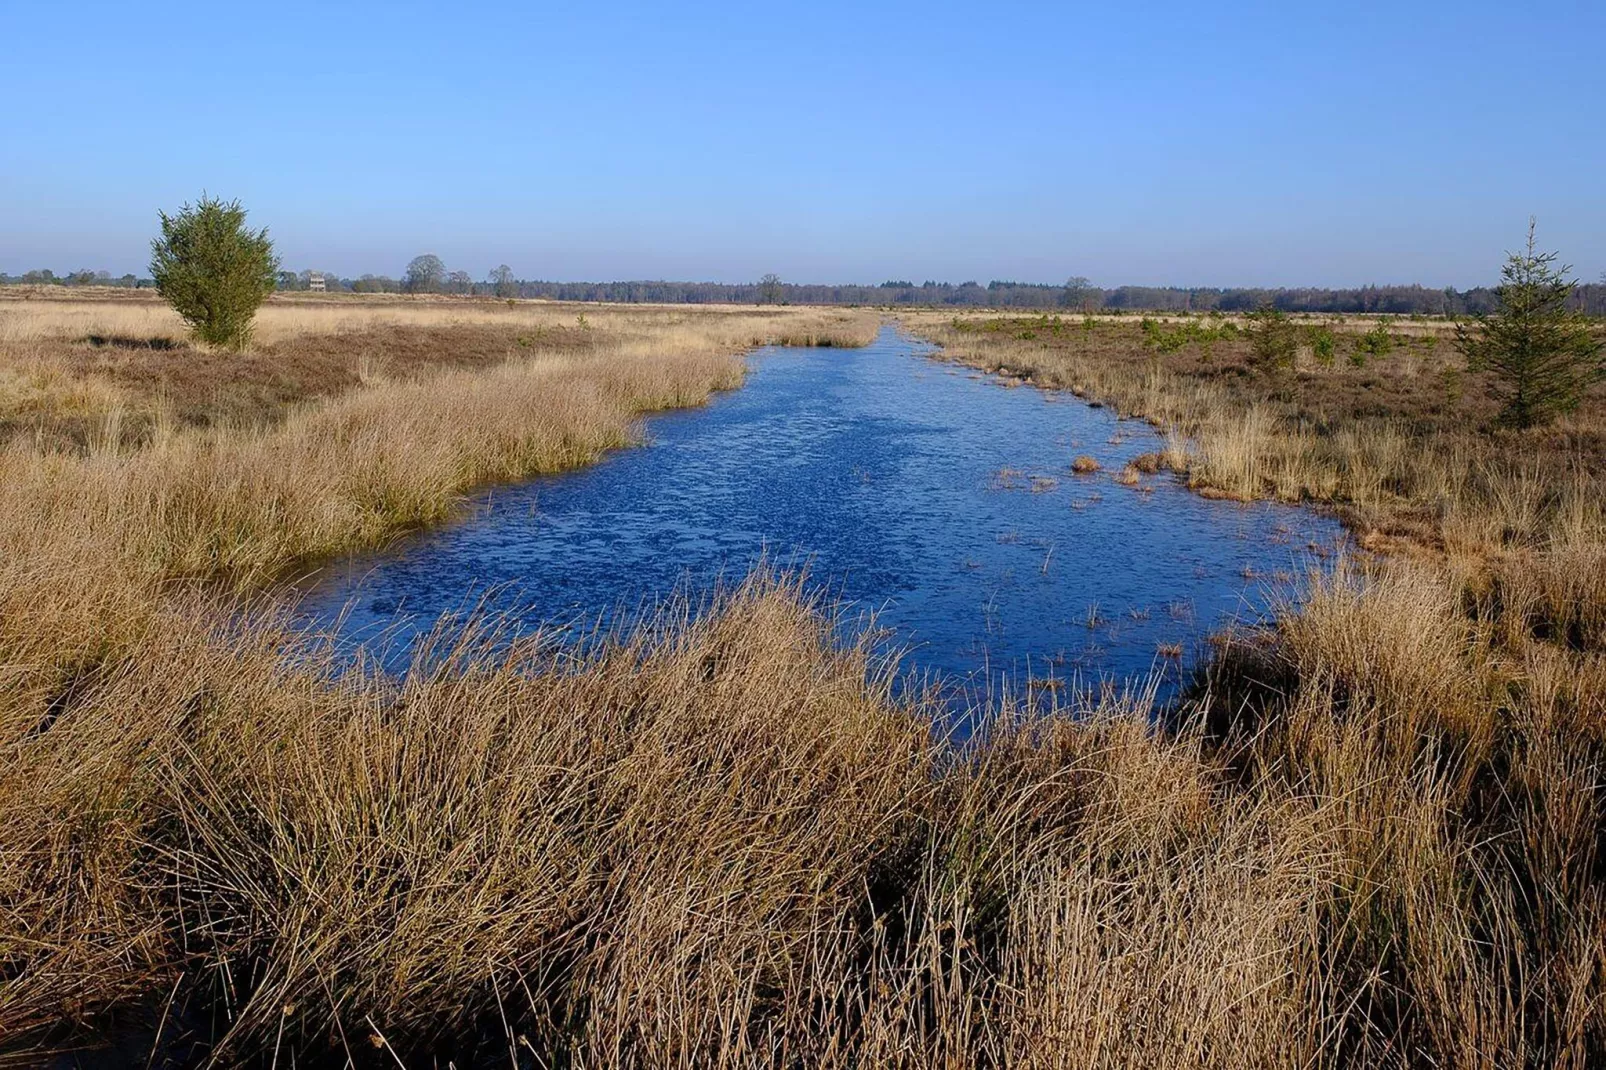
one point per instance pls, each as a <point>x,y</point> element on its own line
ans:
<point>1371,836</point>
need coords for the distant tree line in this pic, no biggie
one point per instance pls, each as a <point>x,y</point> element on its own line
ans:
<point>428,274</point>
<point>81,277</point>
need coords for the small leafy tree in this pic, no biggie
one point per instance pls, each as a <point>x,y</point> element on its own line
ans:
<point>213,270</point>
<point>1543,354</point>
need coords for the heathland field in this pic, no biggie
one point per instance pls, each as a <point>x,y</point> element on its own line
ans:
<point>1371,835</point>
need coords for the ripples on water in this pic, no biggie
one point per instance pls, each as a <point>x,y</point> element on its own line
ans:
<point>911,488</point>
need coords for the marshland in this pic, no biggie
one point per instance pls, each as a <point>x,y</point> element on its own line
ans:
<point>1368,830</point>
<point>641,536</point>
<point>947,514</point>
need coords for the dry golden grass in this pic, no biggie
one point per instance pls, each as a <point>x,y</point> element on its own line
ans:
<point>721,843</point>
<point>1398,443</point>
<point>1449,705</point>
<point>1372,837</point>
<point>27,314</point>
<point>94,535</point>
<point>75,370</point>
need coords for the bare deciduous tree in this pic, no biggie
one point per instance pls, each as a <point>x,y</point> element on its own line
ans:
<point>424,274</point>
<point>1078,292</point>
<point>502,282</point>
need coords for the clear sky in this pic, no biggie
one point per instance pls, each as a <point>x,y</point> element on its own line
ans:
<point>1158,143</point>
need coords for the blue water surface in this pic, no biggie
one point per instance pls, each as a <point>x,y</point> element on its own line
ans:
<point>937,499</point>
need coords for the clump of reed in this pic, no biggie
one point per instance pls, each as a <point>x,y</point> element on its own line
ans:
<point>723,839</point>
<point>719,841</point>
<point>1468,912</point>
<point>243,505</point>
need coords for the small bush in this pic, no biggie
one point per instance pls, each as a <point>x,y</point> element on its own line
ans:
<point>1377,342</point>
<point>1148,463</point>
<point>1273,340</point>
<point>1189,331</point>
<point>213,270</point>
<point>1323,345</point>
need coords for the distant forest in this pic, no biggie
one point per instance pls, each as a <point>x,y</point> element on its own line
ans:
<point>1077,296</point>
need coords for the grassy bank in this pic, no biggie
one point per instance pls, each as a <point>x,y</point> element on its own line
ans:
<point>381,425</point>
<point>1396,432</point>
<point>1400,442</point>
<point>716,845</point>
<point>1449,698</point>
<point>76,371</point>
<point>1374,839</point>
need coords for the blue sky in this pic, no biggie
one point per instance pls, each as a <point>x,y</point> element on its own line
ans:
<point>1166,143</point>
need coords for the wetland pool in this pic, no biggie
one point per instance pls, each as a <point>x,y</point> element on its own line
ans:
<point>937,499</point>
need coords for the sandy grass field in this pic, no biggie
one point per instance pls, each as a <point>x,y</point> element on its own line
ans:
<point>1371,836</point>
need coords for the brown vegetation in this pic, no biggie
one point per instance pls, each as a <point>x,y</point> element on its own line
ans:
<point>1402,442</point>
<point>71,367</point>
<point>1372,838</point>
<point>1450,702</point>
<point>721,844</point>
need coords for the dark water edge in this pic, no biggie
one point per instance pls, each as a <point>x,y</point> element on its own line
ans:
<point>917,495</point>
